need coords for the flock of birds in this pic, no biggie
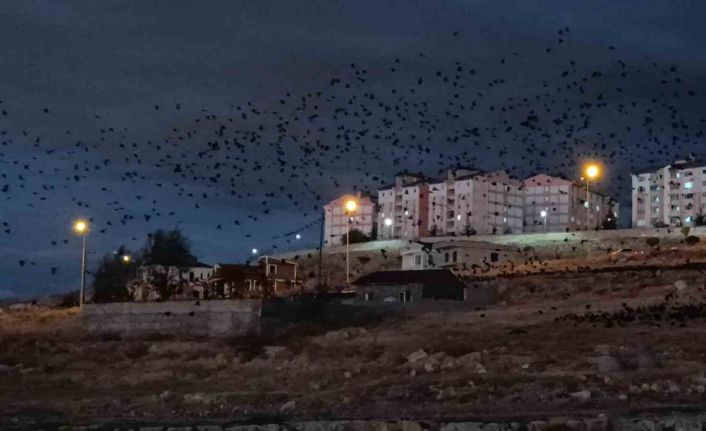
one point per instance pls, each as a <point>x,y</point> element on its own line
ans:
<point>293,153</point>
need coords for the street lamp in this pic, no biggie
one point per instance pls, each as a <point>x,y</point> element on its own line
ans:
<point>350,206</point>
<point>127,258</point>
<point>298,236</point>
<point>591,171</point>
<point>543,214</point>
<point>388,222</point>
<point>81,229</point>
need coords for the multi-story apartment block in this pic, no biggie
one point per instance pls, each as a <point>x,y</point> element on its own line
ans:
<point>555,204</point>
<point>336,218</point>
<point>470,201</point>
<point>403,208</point>
<point>672,195</point>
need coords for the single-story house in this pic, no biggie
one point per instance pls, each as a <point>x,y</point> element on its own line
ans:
<point>268,277</point>
<point>410,286</point>
<point>459,255</point>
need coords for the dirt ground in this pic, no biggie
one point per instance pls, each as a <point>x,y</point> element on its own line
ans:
<point>541,355</point>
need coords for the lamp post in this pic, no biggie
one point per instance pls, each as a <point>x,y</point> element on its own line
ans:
<point>543,214</point>
<point>350,206</point>
<point>81,229</point>
<point>591,171</point>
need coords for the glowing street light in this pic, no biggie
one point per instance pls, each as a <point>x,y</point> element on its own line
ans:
<point>544,214</point>
<point>254,251</point>
<point>350,206</point>
<point>591,171</point>
<point>127,258</point>
<point>81,229</point>
<point>388,222</point>
<point>298,236</point>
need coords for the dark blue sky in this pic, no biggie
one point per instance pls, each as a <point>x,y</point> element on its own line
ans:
<point>490,95</point>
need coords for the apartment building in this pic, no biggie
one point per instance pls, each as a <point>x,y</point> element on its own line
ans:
<point>564,203</point>
<point>672,195</point>
<point>470,201</point>
<point>403,208</point>
<point>336,219</point>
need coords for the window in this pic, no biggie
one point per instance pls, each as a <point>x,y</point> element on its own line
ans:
<point>273,269</point>
<point>494,257</point>
<point>405,296</point>
<point>446,257</point>
<point>455,256</point>
<point>368,296</point>
<point>689,185</point>
<point>418,260</point>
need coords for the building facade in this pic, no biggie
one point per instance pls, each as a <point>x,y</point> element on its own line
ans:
<point>564,203</point>
<point>457,255</point>
<point>336,219</point>
<point>403,208</point>
<point>470,202</point>
<point>672,195</point>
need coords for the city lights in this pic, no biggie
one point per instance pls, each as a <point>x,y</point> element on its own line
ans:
<point>127,258</point>
<point>388,222</point>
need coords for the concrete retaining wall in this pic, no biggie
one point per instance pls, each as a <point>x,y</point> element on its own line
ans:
<point>213,317</point>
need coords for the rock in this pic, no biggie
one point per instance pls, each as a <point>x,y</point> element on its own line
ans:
<point>646,358</point>
<point>196,399</point>
<point>416,356</point>
<point>220,360</point>
<point>581,395</point>
<point>276,352</point>
<point>680,285</point>
<point>165,395</point>
<point>288,406</point>
<point>348,374</point>
<point>480,369</point>
<point>623,397</point>
<point>429,367</point>
<point>153,349</point>
<point>468,358</point>
<point>608,364</point>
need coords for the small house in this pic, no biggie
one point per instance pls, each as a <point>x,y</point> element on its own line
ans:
<point>410,286</point>
<point>459,255</point>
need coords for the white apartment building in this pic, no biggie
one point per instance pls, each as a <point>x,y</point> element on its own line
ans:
<point>565,205</point>
<point>336,219</point>
<point>470,201</point>
<point>672,195</point>
<point>403,208</point>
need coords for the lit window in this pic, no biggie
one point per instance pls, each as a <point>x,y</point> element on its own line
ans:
<point>585,204</point>
<point>689,185</point>
<point>688,219</point>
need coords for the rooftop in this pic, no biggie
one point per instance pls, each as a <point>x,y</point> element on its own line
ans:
<point>425,276</point>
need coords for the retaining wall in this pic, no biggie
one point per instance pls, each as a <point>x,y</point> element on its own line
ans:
<point>213,317</point>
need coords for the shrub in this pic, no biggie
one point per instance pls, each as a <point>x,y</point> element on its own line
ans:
<point>692,239</point>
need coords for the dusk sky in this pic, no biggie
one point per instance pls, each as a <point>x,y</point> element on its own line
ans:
<point>237,121</point>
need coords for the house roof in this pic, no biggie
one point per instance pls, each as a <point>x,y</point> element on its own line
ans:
<point>679,164</point>
<point>425,276</point>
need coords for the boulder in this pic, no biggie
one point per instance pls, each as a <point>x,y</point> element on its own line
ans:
<point>608,364</point>
<point>288,406</point>
<point>276,352</point>
<point>581,395</point>
<point>416,356</point>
